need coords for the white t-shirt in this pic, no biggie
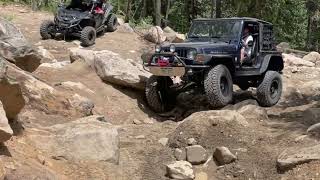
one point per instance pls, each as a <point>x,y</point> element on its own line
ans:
<point>248,39</point>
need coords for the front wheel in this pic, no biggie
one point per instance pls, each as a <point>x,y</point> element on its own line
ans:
<point>218,86</point>
<point>112,23</point>
<point>158,95</point>
<point>88,36</point>
<point>47,29</point>
<point>270,89</point>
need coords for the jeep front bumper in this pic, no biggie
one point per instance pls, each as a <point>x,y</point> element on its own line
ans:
<point>169,64</point>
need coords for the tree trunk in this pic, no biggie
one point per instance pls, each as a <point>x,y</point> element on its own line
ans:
<point>157,7</point>
<point>218,8</point>
<point>212,8</point>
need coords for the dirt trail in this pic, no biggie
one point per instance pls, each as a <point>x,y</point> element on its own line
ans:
<point>141,155</point>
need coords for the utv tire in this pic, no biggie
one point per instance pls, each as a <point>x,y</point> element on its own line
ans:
<point>218,86</point>
<point>112,23</point>
<point>47,29</point>
<point>270,90</point>
<point>157,94</point>
<point>88,36</point>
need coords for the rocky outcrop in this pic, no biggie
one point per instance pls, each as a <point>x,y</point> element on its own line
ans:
<point>5,129</point>
<point>295,156</point>
<point>86,139</point>
<point>292,60</point>
<point>180,170</point>
<point>313,57</point>
<point>87,56</point>
<point>111,68</point>
<point>15,48</point>
<point>10,91</point>
<point>155,35</point>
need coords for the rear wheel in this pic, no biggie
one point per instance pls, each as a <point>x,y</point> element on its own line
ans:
<point>270,90</point>
<point>47,29</point>
<point>112,23</point>
<point>218,86</point>
<point>158,95</point>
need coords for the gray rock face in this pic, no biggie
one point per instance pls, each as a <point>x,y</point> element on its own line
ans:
<point>180,154</point>
<point>15,48</point>
<point>5,129</point>
<point>224,156</point>
<point>196,154</point>
<point>124,72</point>
<point>295,156</point>
<point>180,170</point>
<point>86,139</point>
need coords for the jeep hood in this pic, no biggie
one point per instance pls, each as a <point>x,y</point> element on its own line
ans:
<point>208,47</point>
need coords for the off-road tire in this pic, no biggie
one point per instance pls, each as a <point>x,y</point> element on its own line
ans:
<point>88,36</point>
<point>45,29</point>
<point>218,86</point>
<point>157,95</point>
<point>270,89</point>
<point>112,23</point>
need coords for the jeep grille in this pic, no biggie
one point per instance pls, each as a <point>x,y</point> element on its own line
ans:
<point>181,52</point>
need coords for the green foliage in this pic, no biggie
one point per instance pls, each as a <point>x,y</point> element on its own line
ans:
<point>296,21</point>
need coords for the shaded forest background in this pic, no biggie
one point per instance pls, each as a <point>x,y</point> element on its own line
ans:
<point>296,21</point>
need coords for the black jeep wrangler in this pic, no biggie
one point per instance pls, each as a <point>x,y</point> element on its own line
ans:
<point>210,59</point>
<point>80,19</point>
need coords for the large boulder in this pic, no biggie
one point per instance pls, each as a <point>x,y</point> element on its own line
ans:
<point>87,56</point>
<point>175,37</point>
<point>312,57</point>
<point>36,94</point>
<point>85,139</point>
<point>5,129</point>
<point>283,46</point>
<point>295,156</point>
<point>116,70</point>
<point>15,48</point>
<point>155,34</point>
<point>11,94</point>
<point>292,60</point>
<point>125,28</point>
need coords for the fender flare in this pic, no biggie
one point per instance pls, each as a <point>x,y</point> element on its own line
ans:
<point>272,62</point>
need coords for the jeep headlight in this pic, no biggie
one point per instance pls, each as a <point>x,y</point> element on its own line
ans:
<point>192,54</point>
<point>172,48</point>
<point>158,48</point>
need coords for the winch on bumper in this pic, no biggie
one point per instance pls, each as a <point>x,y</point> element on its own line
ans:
<point>170,64</point>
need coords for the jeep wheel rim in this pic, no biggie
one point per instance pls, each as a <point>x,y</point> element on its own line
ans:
<point>224,86</point>
<point>274,89</point>
<point>90,36</point>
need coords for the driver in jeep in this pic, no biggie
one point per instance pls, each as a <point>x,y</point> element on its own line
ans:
<point>246,49</point>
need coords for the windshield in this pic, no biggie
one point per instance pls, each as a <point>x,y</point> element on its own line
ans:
<point>215,29</point>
